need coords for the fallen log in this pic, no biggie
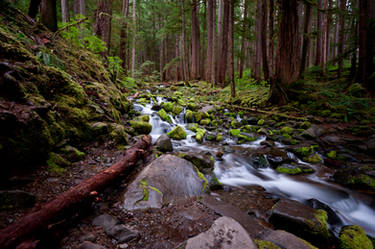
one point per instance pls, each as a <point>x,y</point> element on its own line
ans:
<point>65,203</point>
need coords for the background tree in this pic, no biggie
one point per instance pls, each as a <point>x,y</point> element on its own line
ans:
<point>48,14</point>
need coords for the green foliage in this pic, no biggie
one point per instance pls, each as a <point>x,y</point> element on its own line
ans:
<point>50,60</point>
<point>82,36</point>
<point>114,67</point>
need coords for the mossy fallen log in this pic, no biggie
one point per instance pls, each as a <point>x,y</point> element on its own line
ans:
<point>63,205</point>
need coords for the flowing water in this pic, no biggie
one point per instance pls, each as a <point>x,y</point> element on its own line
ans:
<point>236,170</point>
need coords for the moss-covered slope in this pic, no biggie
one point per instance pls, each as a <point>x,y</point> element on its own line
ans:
<point>44,106</point>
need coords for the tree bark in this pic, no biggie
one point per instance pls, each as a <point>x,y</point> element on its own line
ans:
<point>288,62</point>
<point>33,8</point>
<point>230,43</point>
<point>65,11</point>
<point>264,40</point>
<point>123,33</point>
<point>134,36</point>
<point>210,27</point>
<point>270,38</point>
<point>366,65</point>
<point>48,14</point>
<point>66,203</point>
<point>324,39</point>
<point>243,40</point>
<point>231,46</point>
<point>185,72</point>
<point>306,38</point>
<point>258,41</point>
<point>318,46</point>
<point>213,67</point>
<point>340,48</point>
<point>224,48</point>
<point>195,41</point>
<point>203,46</point>
<point>82,7</point>
<point>103,19</point>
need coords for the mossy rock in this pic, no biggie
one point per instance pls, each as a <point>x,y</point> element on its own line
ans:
<point>219,137</point>
<point>353,237</point>
<point>177,109</point>
<point>168,106</point>
<point>144,118</point>
<point>332,154</point>
<point>164,116</point>
<point>178,133</point>
<point>198,116</point>
<point>235,132</point>
<point>305,125</point>
<point>286,130</point>
<point>315,158</point>
<point>73,154</point>
<point>199,135</point>
<point>263,244</point>
<point>260,122</point>
<point>294,169</point>
<point>189,116</point>
<point>119,134</point>
<point>192,106</point>
<point>192,127</point>
<point>141,127</point>
<point>206,121</point>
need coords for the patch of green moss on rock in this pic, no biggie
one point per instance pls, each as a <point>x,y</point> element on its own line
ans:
<point>144,118</point>
<point>206,121</point>
<point>168,106</point>
<point>321,229</point>
<point>264,244</point>
<point>189,116</point>
<point>315,158</point>
<point>164,116</point>
<point>192,127</point>
<point>305,125</point>
<point>177,109</point>
<point>141,127</point>
<point>219,137</point>
<point>289,170</point>
<point>235,132</point>
<point>353,237</point>
<point>260,122</point>
<point>198,116</point>
<point>178,133</point>
<point>199,135</point>
<point>332,154</point>
<point>286,130</point>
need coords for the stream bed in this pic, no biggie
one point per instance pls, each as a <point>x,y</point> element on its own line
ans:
<point>235,168</point>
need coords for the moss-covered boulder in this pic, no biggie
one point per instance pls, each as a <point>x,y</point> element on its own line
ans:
<point>189,116</point>
<point>205,121</point>
<point>353,237</point>
<point>286,130</point>
<point>118,134</point>
<point>219,137</point>
<point>177,109</point>
<point>73,154</point>
<point>168,106</point>
<point>164,116</point>
<point>301,220</point>
<point>293,169</point>
<point>260,122</point>
<point>141,127</point>
<point>178,133</point>
<point>144,118</point>
<point>204,161</point>
<point>198,116</point>
<point>199,135</point>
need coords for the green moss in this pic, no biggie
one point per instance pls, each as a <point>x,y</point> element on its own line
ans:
<point>321,228</point>
<point>189,116</point>
<point>353,237</point>
<point>199,135</point>
<point>56,163</point>
<point>235,132</point>
<point>201,176</point>
<point>219,137</point>
<point>168,106</point>
<point>264,244</point>
<point>260,122</point>
<point>315,158</point>
<point>73,153</point>
<point>206,121</point>
<point>192,106</point>
<point>305,125</point>
<point>177,133</point>
<point>164,116</point>
<point>144,185</point>
<point>192,127</point>
<point>141,127</point>
<point>144,118</point>
<point>363,180</point>
<point>286,130</point>
<point>156,190</point>
<point>304,151</point>
<point>198,116</point>
<point>177,109</point>
<point>289,170</point>
<point>332,154</point>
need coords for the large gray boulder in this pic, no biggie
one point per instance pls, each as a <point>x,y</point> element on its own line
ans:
<point>165,180</point>
<point>225,233</point>
<point>164,144</point>
<point>286,240</point>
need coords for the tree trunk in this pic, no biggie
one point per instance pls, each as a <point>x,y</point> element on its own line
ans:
<point>230,43</point>
<point>231,49</point>
<point>48,14</point>
<point>219,37</point>
<point>340,49</point>
<point>288,62</point>
<point>68,202</point>
<point>258,41</point>
<point>213,67</point>
<point>76,8</point>
<point>203,50</point>
<point>318,46</point>
<point>243,40</point>
<point>123,33</point>
<point>306,37</point>
<point>324,39</point>
<point>134,36</point>
<point>224,48</point>
<point>367,44</point>
<point>82,7</point>
<point>65,11</point>
<point>270,38</point>
<point>33,8</point>
<point>264,40</point>
<point>210,27</point>
<point>195,41</point>
<point>185,72</point>
<point>102,25</point>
